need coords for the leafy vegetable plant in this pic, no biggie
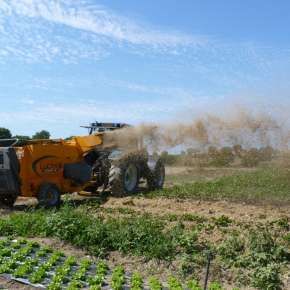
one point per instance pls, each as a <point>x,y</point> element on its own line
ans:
<point>41,272</point>
<point>136,282</point>
<point>101,271</point>
<point>174,284</point>
<point>193,285</point>
<point>118,278</point>
<point>154,284</point>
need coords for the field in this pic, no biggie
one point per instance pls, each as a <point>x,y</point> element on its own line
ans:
<point>238,218</point>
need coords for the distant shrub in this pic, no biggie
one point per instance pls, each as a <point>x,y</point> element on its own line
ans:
<point>253,156</point>
<point>237,150</point>
<point>221,157</point>
<point>266,153</point>
<point>250,158</point>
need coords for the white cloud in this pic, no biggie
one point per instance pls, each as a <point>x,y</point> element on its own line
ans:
<point>98,20</point>
<point>96,25</point>
<point>70,30</point>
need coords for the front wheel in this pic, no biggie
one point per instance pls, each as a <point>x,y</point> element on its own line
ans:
<point>48,195</point>
<point>124,178</point>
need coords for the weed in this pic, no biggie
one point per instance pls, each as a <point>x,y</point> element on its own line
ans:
<point>267,277</point>
<point>223,221</point>
<point>231,248</point>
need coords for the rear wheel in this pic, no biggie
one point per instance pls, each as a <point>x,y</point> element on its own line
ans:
<point>124,178</point>
<point>156,177</point>
<point>48,195</point>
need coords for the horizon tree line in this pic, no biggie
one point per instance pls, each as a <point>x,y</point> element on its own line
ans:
<point>6,134</point>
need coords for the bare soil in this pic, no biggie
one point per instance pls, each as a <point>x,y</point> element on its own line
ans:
<point>237,211</point>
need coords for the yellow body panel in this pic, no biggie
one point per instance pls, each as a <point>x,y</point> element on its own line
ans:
<point>43,162</point>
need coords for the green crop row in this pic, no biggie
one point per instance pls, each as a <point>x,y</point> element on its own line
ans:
<point>23,259</point>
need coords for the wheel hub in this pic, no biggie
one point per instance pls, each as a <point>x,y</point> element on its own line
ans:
<point>131,177</point>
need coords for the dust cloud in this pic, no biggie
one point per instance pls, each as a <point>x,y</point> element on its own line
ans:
<point>239,127</point>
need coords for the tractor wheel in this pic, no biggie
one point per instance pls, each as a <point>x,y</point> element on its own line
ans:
<point>124,178</point>
<point>48,195</point>
<point>8,200</point>
<point>156,177</point>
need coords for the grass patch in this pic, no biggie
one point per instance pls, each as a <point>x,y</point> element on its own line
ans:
<point>138,235</point>
<point>260,185</point>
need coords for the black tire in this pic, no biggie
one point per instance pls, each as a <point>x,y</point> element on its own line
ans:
<point>49,195</point>
<point>8,200</point>
<point>119,176</point>
<point>156,177</point>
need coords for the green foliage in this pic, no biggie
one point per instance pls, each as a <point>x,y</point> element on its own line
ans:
<point>143,235</point>
<point>81,273</point>
<point>267,277</point>
<point>24,260</point>
<point>136,281</point>
<point>99,279</point>
<point>5,133</point>
<point>193,285</point>
<point>25,269</point>
<point>287,238</point>
<point>41,135</point>
<point>245,251</point>
<point>22,138</point>
<point>118,278</point>
<point>39,275</point>
<point>189,242</point>
<point>223,221</point>
<point>74,285</point>
<point>12,258</point>
<point>231,249</point>
<point>260,185</point>
<point>154,284</point>
<point>61,274</point>
<point>174,284</point>
<point>215,286</point>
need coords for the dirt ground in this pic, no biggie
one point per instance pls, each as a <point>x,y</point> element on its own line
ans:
<point>237,211</point>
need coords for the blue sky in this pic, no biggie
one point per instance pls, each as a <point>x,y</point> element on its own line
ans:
<point>66,63</point>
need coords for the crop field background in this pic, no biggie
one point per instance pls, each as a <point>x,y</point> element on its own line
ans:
<point>237,215</point>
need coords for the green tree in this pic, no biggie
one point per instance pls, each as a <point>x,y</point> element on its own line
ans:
<point>41,135</point>
<point>5,133</point>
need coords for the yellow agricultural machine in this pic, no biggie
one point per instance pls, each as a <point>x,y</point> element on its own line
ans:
<point>45,169</point>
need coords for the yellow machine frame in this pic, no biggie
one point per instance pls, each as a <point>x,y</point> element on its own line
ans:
<point>42,161</point>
